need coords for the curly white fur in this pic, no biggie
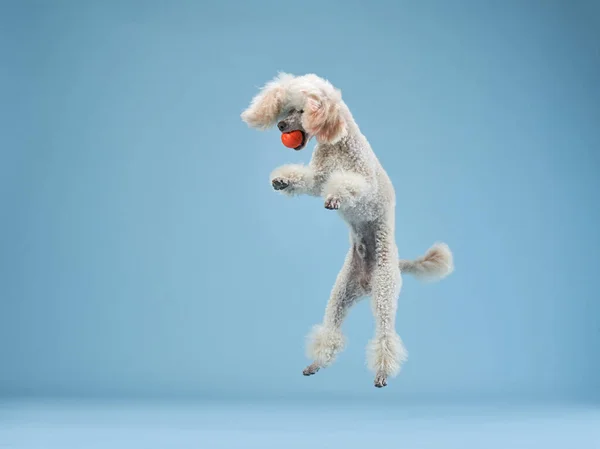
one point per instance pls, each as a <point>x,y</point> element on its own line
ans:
<point>386,354</point>
<point>347,175</point>
<point>300,177</point>
<point>324,344</point>
<point>347,185</point>
<point>434,265</point>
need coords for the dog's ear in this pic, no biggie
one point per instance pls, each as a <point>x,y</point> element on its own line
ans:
<point>322,118</point>
<point>268,103</point>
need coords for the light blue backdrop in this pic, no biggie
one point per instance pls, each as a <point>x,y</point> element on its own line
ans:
<point>144,253</point>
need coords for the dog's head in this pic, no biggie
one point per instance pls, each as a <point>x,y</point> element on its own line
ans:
<point>305,103</point>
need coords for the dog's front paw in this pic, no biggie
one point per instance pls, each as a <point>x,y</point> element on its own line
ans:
<point>332,202</point>
<point>280,183</point>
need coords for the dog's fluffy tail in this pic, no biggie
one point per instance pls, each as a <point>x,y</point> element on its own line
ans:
<point>434,265</point>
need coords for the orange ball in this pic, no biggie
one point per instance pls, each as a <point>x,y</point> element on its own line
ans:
<point>292,139</point>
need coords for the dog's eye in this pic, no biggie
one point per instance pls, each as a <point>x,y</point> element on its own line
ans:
<point>301,111</point>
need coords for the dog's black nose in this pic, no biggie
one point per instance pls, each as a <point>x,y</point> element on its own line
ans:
<point>281,126</point>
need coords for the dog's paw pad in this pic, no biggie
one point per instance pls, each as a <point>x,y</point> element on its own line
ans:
<point>311,369</point>
<point>332,203</point>
<point>380,381</point>
<point>279,183</point>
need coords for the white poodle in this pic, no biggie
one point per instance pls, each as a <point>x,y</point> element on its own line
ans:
<point>345,172</point>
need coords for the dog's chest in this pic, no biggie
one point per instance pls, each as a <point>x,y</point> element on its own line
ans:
<point>327,160</point>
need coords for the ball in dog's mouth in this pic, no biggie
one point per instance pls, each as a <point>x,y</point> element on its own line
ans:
<point>294,139</point>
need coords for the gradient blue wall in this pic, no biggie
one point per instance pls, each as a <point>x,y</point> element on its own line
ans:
<point>143,252</point>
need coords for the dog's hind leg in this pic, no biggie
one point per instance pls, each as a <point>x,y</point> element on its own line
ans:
<point>386,351</point>
<point>326,339</point>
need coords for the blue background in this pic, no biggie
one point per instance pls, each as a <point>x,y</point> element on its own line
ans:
<point>143,252</point>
